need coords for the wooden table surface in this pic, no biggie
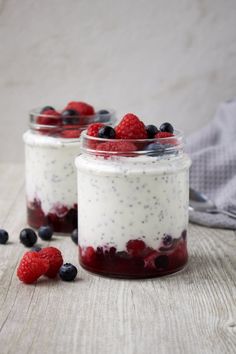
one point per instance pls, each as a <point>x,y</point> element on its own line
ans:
<point>193,311</point>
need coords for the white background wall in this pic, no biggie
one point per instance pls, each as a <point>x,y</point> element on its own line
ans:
<point>164,60</point>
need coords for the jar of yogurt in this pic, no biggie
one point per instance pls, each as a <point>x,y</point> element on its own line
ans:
<point>51,145</point>
<point>133,197</point>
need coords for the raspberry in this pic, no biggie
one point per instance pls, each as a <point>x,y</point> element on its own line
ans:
<point>94,128</point>
<point>135,247</point>
<point>49,117</point>
<point>70,134</point>
<point>171,141</point>
<point>118,146</point>
<point>89,254</point>
<point>131,127</point>
<point>161,135</point>
<point>54,257</point>
<point>83,108</point>
<point>31,267</point>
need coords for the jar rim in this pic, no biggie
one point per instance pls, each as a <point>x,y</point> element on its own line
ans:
<point>133,147</point>
<point>74,123</point>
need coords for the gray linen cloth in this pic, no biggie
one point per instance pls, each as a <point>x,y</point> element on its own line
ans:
<point>213,170</point>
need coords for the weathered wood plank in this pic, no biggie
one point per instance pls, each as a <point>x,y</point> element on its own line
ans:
<point>191,312</point>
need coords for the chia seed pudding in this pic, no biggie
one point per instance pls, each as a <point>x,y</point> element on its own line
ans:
<point>133,214</point>
<point>51,145</point>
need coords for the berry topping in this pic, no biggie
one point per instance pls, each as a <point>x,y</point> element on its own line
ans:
<point>162,262</point>
<point>45,233</point>
<point>74,236</point>
<point>89,254</point>
<point>47,108</point>
<point>103,111</point>
<point>28,237</point>
<point>106,132</point>
<point>3,237</point>
<point>70,116</point>
<point>161,135</point>
<point>68,272</point>
<point>70,132</point>
<point>130,127</point>
<point>31,267</point>
<point>49,117</point>
<point>54,257</point>
<point>118,146</point>
<point>155,149</point>
<point>94,128</point>
<point>83,108</point>
<point>135,247</point>
<point>36,248</point>
<point>167,240</point>
<point>151,131</point>
<point>167,127</point>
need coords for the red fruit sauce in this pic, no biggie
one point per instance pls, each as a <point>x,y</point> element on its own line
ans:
<point>137,261</point>
<point>61,219</point>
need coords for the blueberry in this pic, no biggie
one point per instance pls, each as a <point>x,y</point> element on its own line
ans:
<point>155,149</point>
<point>103,111</point>
<point>36,249</point>
<point>45,233</point>
<point>70,116</point>
<point>3,236</point>
<point>103,115</point>
<point>167,127</point>
<point>167,240</point>
<point>74,236</point>
<point>162,262</point>
<point>28,237</point>
<point>151,131</point>
<point>106,132</point>
<point>47,108</point>
<point>68,272</point>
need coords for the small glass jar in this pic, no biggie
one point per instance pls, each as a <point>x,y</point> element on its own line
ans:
<point>50,174</point>
<point>133,214</point>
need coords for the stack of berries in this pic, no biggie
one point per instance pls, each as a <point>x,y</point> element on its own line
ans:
<point>129,135</point>
<point>68,122</point>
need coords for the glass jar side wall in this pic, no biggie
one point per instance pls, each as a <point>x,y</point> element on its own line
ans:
<point>51,183</point>
<point>133,225</point>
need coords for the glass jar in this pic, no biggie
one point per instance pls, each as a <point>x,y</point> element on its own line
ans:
<point>50,174</point>
<point>133,214</point>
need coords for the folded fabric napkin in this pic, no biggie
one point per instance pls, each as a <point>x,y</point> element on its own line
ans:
<point>213,170</point>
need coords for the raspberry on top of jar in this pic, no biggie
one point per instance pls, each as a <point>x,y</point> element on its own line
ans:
<point>131,137</point>
<point>69,122</point>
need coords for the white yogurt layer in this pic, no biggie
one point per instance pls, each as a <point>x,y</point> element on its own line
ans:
<point>50,170</point>
<point>131,197</point>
